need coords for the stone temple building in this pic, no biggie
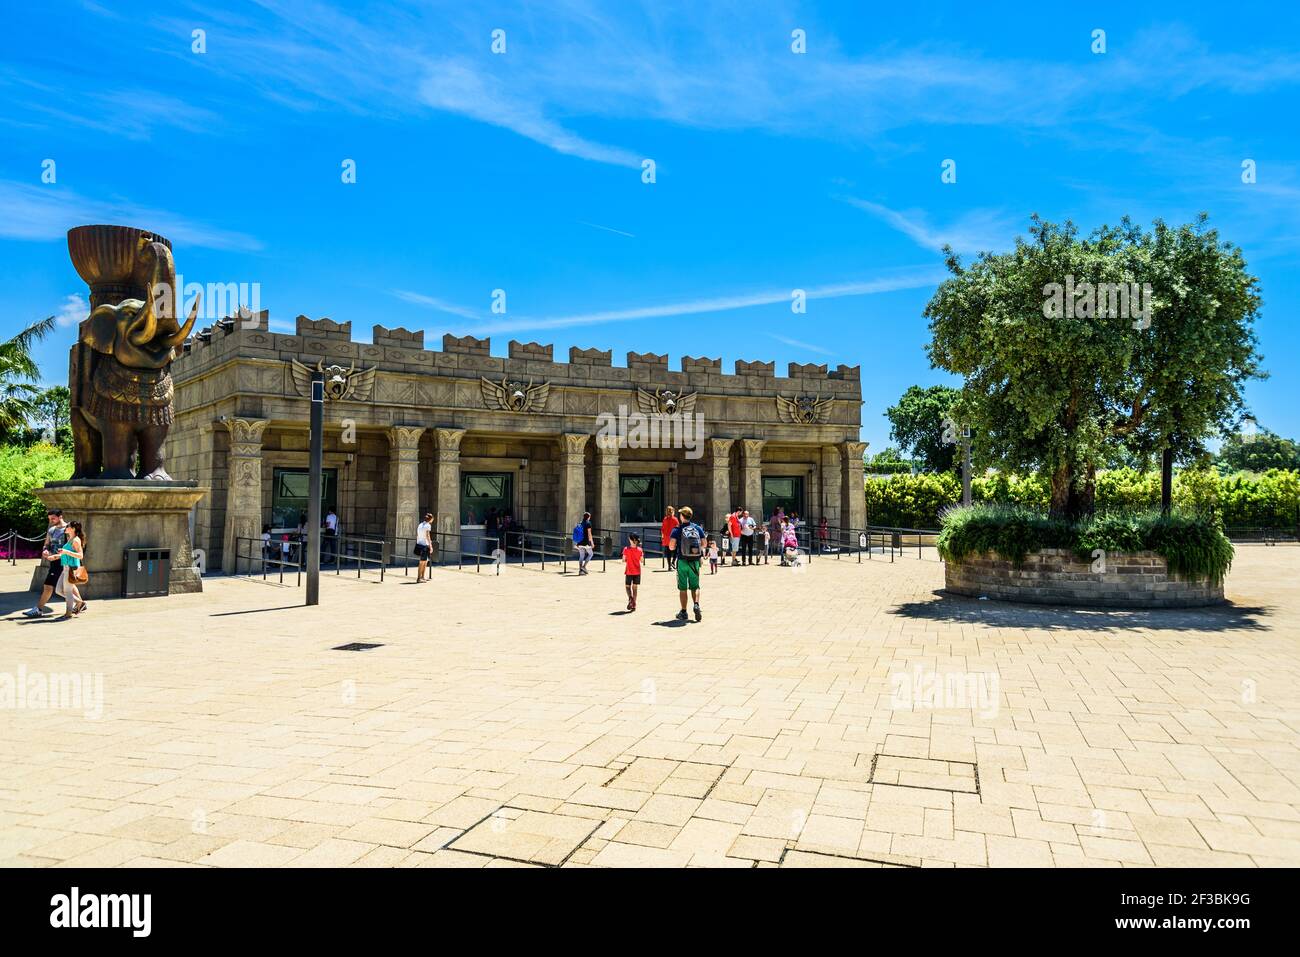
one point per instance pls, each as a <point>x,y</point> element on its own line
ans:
<point>462,433</point>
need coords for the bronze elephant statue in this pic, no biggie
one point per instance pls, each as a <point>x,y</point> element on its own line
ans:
<point>122,390</point>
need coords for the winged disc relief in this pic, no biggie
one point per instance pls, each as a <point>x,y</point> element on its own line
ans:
<point>665,402</point>
<point>514,396</point>
<point>803,409</point>
<point>340,384</point>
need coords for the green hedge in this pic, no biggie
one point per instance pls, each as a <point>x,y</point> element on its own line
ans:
<point>1193,544</point>
<point>22,470</point>
<point>1241,499</point>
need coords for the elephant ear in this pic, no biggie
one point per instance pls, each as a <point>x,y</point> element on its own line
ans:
<point>100,330</point>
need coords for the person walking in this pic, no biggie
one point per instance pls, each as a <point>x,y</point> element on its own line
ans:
<point>586,545</point>
<point>767,541</point>
<point>632,556</point>
<point>688,543</point>
<point>711,549</point>
<point>55,533</point>
<point>666,533</point>
<point>747,528</point>
<point>71,556</point>
<point>423,545</point>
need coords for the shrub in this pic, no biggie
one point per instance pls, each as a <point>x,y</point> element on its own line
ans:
<point>22,471</point>
<point>1193,545</point>
<point>911,501</point>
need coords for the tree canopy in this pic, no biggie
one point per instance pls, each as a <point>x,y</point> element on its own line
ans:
<point>1259,453</point>
<point>18,372</point>
<point>1077,351</point>
<point>916,424</point>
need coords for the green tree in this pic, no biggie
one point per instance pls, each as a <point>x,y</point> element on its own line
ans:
<point>1062,379</point>
<point>52,409</point>
<point>916,423</point>
<point>1259,452</point>
<point>18,372</point>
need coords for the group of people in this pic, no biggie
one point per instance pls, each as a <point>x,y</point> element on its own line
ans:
<point>297,540</point>
<point>686,546</point>
<point>741,535</point>
<point>64,547</point>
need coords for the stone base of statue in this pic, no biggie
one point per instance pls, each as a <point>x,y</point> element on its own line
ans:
<point>118,515</point>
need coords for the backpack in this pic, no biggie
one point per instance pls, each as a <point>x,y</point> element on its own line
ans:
<point>688,541</point>
<point>579,534</point>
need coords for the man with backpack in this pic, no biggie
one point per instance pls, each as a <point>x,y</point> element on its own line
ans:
<point>582,538</point>
<point>687,542</point>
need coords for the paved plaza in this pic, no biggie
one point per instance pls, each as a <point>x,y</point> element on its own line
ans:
<point>844,715</point>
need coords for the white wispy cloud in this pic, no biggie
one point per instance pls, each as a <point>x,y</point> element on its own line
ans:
<point>712,66</point>
<point>914,279</point>
<point>432,302</point>
<point>973,231</point>
<point>608,229</point>
<point>47,212</point>
<point>797,344</point>
<point>75,308</point>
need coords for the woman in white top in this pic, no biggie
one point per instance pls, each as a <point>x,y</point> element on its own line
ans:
<point>423,545</point>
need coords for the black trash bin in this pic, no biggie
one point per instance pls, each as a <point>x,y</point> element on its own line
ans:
<point>146,572</point>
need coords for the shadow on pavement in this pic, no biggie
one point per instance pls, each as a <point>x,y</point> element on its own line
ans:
<point>1003,614</point>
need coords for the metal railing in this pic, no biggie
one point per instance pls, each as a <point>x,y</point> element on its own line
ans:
<point>9,546</point>
<point>338,552</point>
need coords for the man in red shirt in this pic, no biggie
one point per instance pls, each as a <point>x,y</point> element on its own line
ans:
<point>632,556</point>
<point>666,534</point>
<point>733,526</point>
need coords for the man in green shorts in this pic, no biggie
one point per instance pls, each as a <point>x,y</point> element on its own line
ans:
<point>687,541</point>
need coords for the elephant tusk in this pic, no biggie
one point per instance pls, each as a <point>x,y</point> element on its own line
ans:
<point>182,334</point>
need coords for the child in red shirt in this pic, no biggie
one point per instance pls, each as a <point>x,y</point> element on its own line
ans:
<point>632,556</point>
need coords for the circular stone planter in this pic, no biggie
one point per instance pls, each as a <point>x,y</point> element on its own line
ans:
<point>1056,576</point>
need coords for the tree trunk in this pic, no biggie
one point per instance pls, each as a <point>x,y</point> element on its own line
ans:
<point>1166,481</point>
<point>1074,496</point>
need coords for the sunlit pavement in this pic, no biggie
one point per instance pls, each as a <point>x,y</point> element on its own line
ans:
<point>845,714</point>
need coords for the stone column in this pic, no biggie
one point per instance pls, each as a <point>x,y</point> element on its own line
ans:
<point>853,510</point>
<point>243,490</point>
<point>719,482</point>
<point>403,486</point>
<point>751,452</point>
<point>607,511</point>
<point>573,480</point>
<point>832,484</point>
<point>447,489</point>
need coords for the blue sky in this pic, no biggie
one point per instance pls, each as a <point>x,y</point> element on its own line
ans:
<point>522,171</point>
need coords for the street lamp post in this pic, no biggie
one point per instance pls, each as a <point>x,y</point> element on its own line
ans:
<point>313,487</point>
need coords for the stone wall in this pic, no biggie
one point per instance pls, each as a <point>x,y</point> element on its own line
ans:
<point>1056,576</point>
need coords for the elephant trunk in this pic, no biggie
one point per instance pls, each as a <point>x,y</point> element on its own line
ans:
<point>163,274</point>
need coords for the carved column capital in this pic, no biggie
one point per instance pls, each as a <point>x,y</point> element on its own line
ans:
<point>405,437</point>
<point>753,449</point>
<point>246,435</point>
<point>449,444</point>
<point>573,444</point>
<point>720,451</point>
<point>607,447</point>
<point>854,450</point>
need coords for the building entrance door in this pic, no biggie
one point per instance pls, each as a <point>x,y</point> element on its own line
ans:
<point>783,491</point>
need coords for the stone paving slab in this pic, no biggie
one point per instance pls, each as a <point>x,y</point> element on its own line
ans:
<point>842,715</point>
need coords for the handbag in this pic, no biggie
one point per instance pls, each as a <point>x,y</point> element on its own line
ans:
<point>79,575</point>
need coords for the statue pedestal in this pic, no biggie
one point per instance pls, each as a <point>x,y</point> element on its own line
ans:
<point>117,515</point>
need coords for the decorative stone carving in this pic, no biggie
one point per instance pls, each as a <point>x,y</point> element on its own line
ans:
<point>340,384</point>
<point>403,480</point>
<point>510,396</point>
<point>665,402</point>
<point>803,409</point>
